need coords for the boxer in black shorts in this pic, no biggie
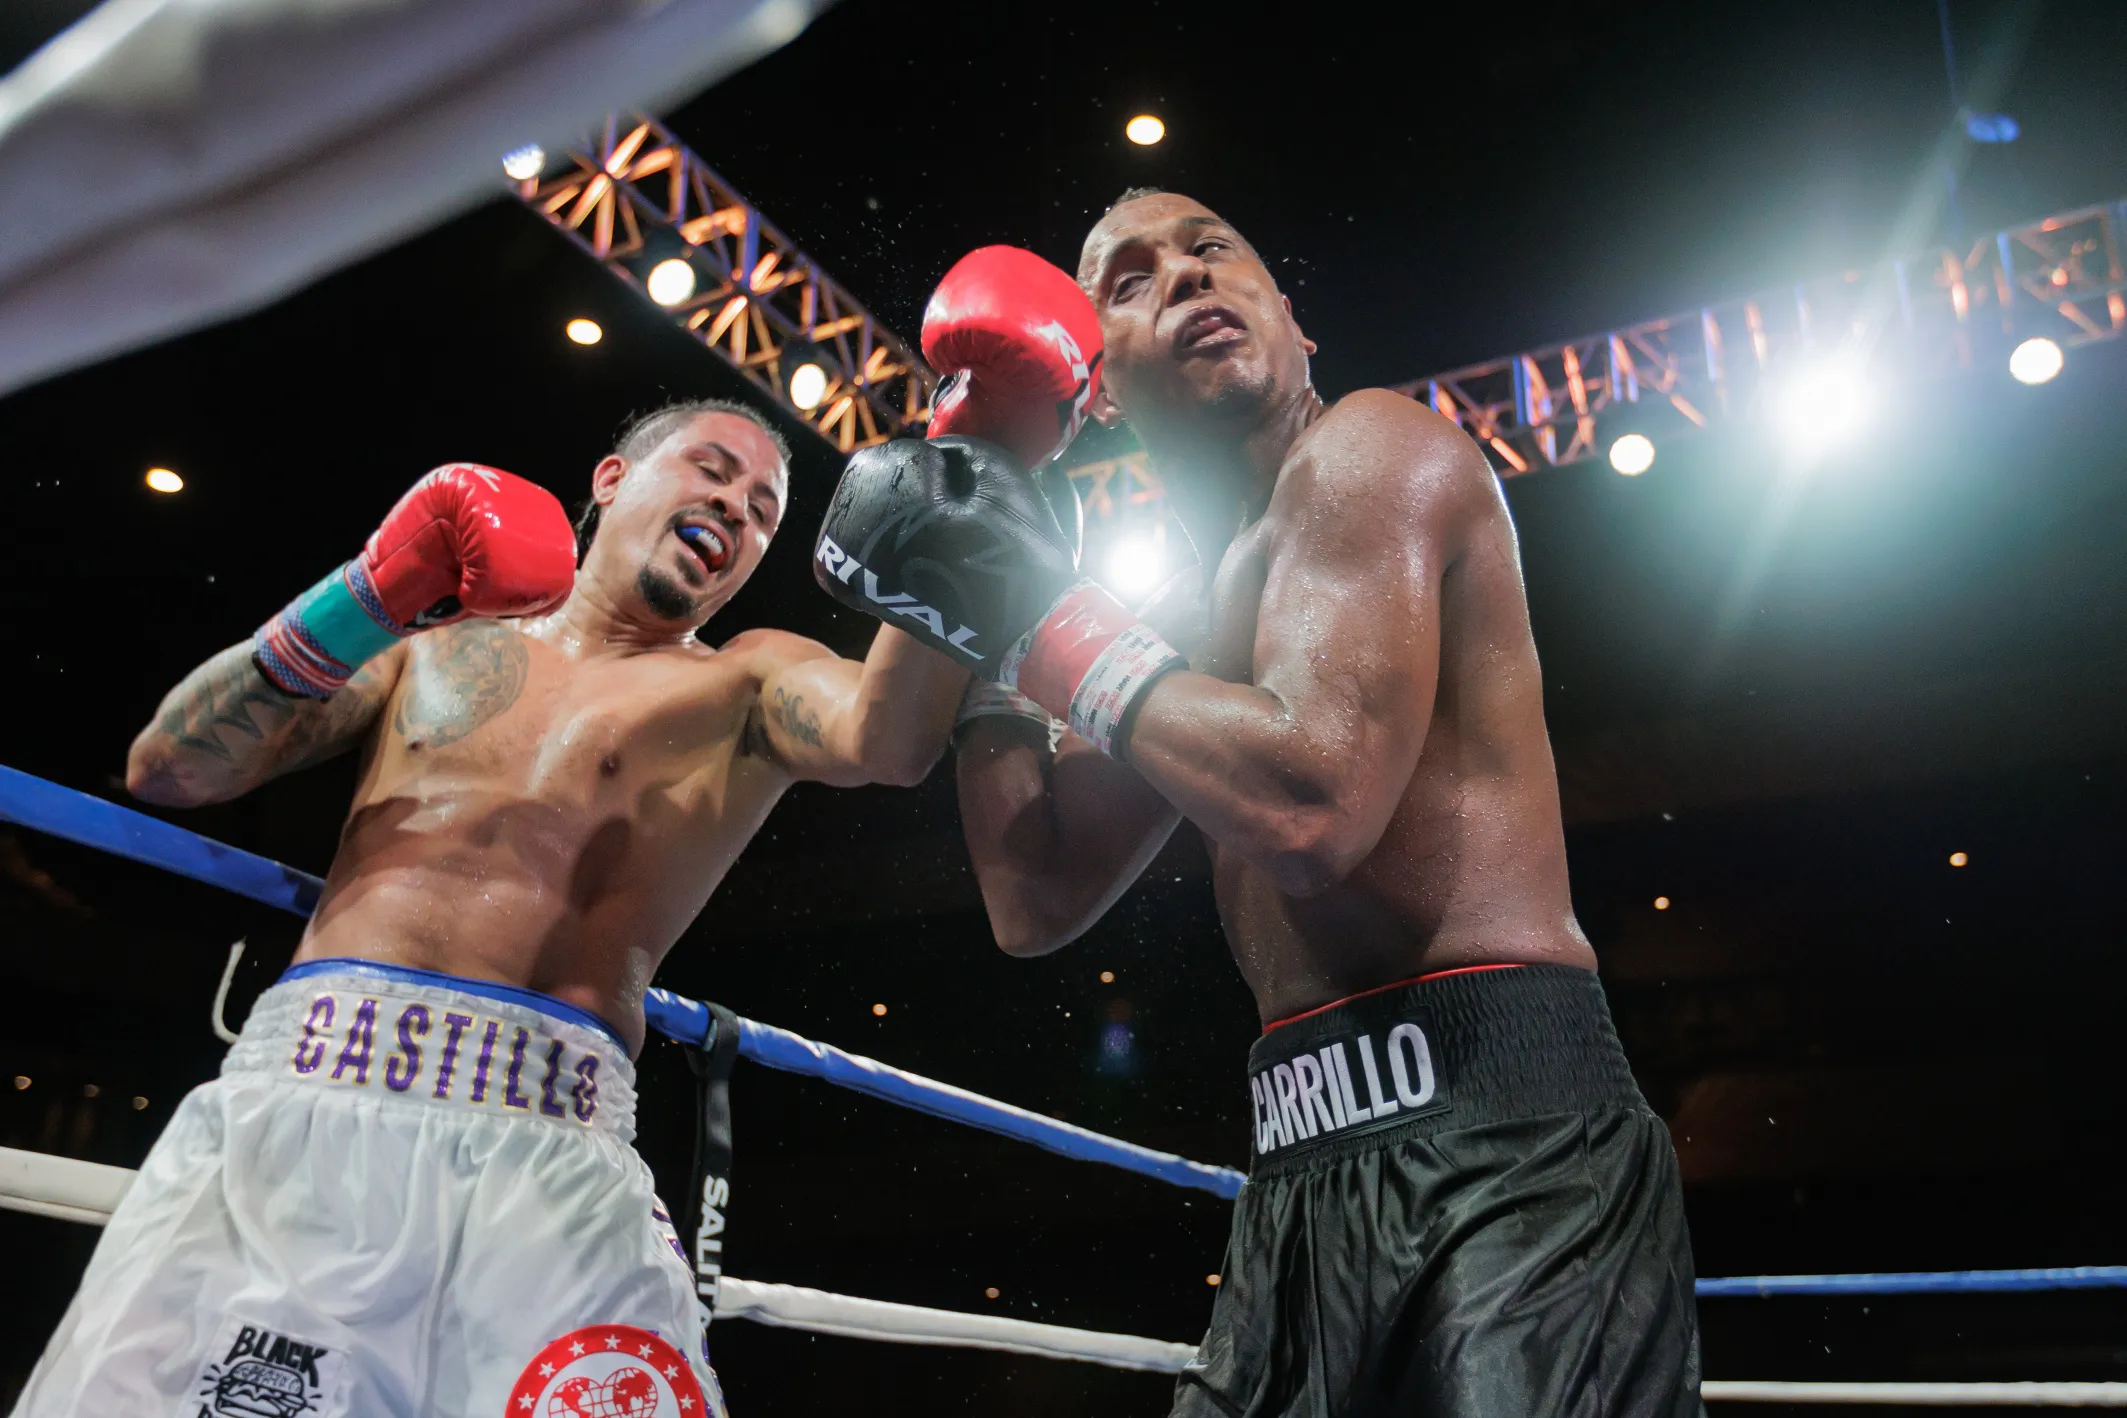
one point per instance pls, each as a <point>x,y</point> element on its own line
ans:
<point>1460,1204</point>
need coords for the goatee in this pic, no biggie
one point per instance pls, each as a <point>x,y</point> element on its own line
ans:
<point>664,596</point>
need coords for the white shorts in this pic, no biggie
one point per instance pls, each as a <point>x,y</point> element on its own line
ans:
<point>407,1194</point>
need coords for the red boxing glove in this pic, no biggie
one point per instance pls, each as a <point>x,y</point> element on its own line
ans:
<point>470,541</point>
<point>465,541</point>
<point>1019,346</point>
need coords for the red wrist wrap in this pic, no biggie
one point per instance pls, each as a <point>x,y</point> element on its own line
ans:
<point>1088,661</point>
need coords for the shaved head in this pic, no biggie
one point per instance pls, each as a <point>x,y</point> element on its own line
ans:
<point>1197,339</point>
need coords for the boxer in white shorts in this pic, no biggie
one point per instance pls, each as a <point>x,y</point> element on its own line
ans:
<point>412,1191</point>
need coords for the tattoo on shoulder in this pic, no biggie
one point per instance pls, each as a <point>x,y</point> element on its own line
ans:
<point>460,677</point>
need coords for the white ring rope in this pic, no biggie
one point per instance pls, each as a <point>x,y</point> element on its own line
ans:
<point>72,1190</point>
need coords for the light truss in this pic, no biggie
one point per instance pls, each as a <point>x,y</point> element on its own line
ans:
<point>1932,314</point>
<point>1937,313</point>
<point>633,195</point>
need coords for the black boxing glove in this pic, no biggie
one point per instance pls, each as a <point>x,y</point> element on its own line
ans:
<point>955,543</point>
<point>950,540</point>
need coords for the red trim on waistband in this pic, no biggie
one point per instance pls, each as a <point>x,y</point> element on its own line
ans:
<point>1397,985</point>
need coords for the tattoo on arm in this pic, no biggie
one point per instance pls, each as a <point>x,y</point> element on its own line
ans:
<point>228,727</point>
<point>799,722</point>
<point>229,695</point>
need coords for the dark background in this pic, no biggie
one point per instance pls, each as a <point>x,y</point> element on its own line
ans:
<point>1870,1059</point>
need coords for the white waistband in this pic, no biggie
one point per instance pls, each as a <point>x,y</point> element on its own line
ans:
<point>403,1035</point>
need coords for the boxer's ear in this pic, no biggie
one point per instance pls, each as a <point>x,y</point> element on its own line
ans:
<point>1305,343</point>
<point>1105,411</point>
<point>605,478</point>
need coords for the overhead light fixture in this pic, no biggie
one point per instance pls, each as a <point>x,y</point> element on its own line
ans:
<point>808,385</point>
<point>1144,130</point>
<point>1632,454</point>
<point>1823,404</point>
<point>2036,360</point>
<point>164,480</point>
<point>525,163</point>
<point>670,281</point>
<point>585,332</point>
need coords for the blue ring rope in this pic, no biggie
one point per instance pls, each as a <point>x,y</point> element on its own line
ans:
<point>62,812</point>
<point>1924,1282</point>
<point>78,817</point>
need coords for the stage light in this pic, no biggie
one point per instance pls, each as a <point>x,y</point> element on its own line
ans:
<point>163,480</point>
<point>1823,405</point>
<point>1661,903</point>
<point>585,332</point>
<point>1135,566</point>
<point>670,282</point>
<point>1107,977</point>
<point>1144,130</point>
<point>808,385</point>
<point>2035,360</point>
<point>140,1105</point>
<point>1958,859</point>
<point>21,1082</point>
<point>1632,454</point>
<point>991,1292</point>
<point>525,163</point>
<point>1213,1280</point>
<point>879,1010</point>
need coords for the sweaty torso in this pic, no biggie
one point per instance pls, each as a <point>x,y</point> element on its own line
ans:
<point>543,816</point>
<point>1472,867</point>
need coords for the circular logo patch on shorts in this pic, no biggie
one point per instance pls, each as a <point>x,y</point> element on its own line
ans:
<point>608,1371</point>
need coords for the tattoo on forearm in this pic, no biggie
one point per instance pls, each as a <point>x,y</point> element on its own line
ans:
<point>227,718</point>
<point>799,722</point>
<point>460,677</point>
<point>229,696</point>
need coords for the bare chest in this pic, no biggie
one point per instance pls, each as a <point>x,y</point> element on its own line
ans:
<point>486,702</point>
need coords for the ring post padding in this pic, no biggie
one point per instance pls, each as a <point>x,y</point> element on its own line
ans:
<point>92,822</point>
<point>1923,1282</point>
<point>792,1053</point>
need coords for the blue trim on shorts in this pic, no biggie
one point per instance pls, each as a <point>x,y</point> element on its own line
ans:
<point>486,989</point>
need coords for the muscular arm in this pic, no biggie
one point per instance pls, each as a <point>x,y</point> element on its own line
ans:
<point>226,729</point>
<point>1055,838</point>
<point>1301,770</point>
<point>882,719</point>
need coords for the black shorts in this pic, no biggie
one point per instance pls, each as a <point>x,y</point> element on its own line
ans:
<point>1460,1207</point>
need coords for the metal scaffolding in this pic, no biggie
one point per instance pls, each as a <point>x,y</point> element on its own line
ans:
<point>1937,313</point>
<point>634,196</point>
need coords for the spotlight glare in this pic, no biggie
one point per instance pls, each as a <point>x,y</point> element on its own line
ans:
<point>2035,361</point>
<point>1134,567</point>
<point>585,332</point>
<point>1823,405</point>
<point>1144,130</point>
<point>1632,454</point>
<point>525,163</point>
<point>808,385</point>
<point>671,281</point>
<point>163,480</point>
